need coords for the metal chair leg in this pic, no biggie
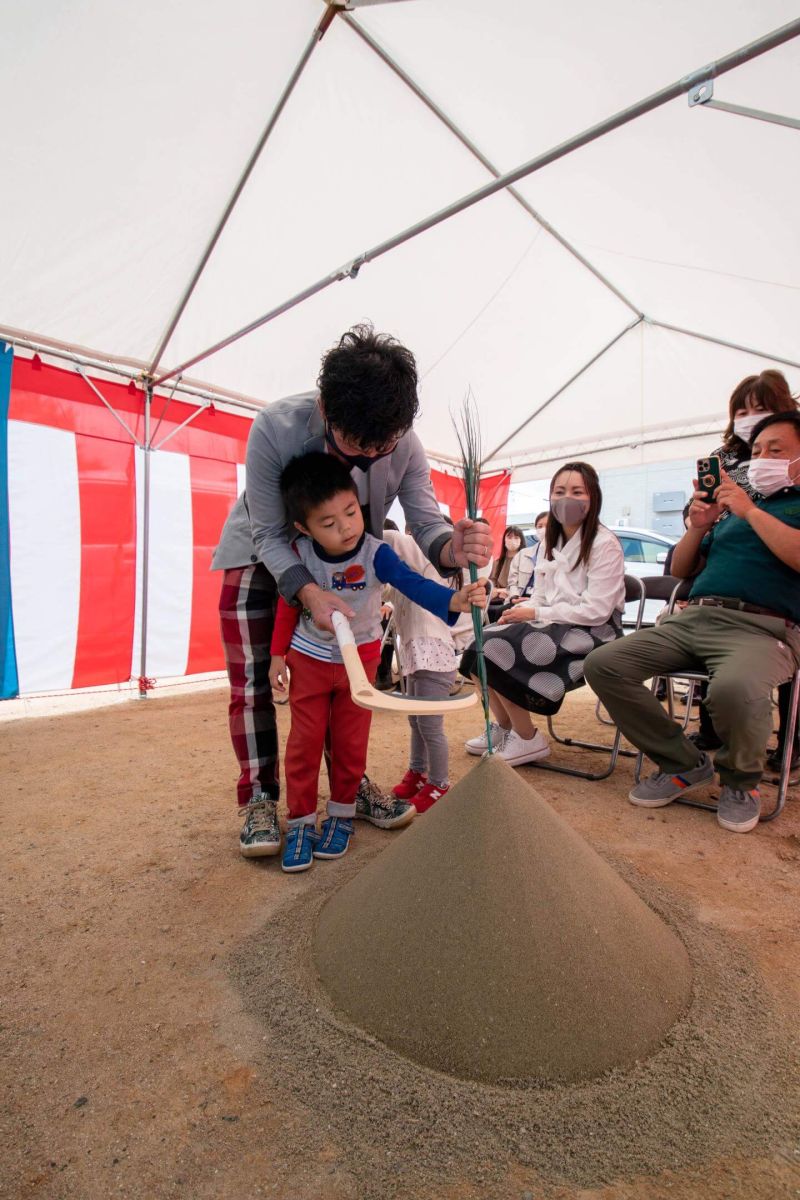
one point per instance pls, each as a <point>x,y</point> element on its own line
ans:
<point>788,746</point>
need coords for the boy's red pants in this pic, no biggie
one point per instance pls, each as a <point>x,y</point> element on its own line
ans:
<point>319,698</point>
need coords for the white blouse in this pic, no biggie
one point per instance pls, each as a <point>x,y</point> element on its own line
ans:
<point>570,593</point>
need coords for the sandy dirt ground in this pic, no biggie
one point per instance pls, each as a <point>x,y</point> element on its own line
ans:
<point>132,1064</point>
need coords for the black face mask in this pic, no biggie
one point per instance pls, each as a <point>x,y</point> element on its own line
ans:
<point>362,461</point>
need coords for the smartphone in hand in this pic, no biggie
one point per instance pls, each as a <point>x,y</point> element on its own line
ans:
<point>709,477</point>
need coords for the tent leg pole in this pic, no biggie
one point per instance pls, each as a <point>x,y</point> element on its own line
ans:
<point>147,450</point>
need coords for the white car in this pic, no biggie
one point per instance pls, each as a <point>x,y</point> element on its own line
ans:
<point>645,554</point>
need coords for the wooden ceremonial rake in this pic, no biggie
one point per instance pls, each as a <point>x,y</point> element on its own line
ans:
<point>367,696</point>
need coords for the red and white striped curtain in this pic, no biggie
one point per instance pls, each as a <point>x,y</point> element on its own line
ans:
<point>75,529</point>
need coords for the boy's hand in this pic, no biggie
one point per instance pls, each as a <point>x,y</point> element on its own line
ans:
<point>473,595</point>
<point>278,674</point>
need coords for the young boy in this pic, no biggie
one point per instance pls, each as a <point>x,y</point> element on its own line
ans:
<point>322,502</point>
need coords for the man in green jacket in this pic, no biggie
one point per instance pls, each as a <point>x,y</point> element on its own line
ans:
<point>741,625</point>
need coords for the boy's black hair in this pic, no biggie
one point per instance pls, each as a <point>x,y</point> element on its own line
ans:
<point>778,418</point>
<point>368,387</point>
<point>309,480</point>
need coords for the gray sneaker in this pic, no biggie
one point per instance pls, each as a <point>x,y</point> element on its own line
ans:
<point>480,744</point>
<point>660,789</point>
<point>387,812</point>
<point>737,810</point>
<point>260,834</point>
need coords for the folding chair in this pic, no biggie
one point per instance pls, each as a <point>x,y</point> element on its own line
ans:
<point>665,587</point>
<point>634,594</point>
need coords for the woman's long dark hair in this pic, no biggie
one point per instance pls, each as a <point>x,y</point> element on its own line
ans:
<point>498,566</point>
<point>770,389</point>
<point>555,532</point>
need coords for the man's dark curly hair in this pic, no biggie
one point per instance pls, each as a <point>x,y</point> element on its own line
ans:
<point>308,480</point>
<point>368,387</point>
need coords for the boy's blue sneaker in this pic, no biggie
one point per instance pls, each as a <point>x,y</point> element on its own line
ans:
<point>298,850</point>
<point>334,837</point>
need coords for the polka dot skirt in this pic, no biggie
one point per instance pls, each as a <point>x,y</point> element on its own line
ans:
<point>535,666</point>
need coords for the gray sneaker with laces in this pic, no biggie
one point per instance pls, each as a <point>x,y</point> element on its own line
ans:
<point>260,834</point>
<point>480,744</point>
<point>737,810</point>
<point>387,812</point>
<point>660,789</point>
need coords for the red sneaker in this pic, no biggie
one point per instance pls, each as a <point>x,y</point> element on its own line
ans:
<point>427,796</point>
<point>409,785</point>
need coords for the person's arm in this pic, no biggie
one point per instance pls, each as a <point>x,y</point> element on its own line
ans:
<point>448,549</point>
<point>265,509</point>
<point>782,539</point>
<point>435,597</point>
<point>687,556</point>
<point>286,618</point>
<point>513,588</point>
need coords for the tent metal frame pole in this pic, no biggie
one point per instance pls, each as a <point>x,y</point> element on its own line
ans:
<point>79,368</point>
<point>146,448</point>
<point>716,341</point>
<point>727,63</point>
<point>757,114</point>
<point>477,153</point>
<point>192,416</point>
<point>623,443</point>
<point>568,383</point>
<point>164,409</point>
<point>316,37</point>
<point>53,350</point>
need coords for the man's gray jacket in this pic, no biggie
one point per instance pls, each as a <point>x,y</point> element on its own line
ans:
<point>257,529</point>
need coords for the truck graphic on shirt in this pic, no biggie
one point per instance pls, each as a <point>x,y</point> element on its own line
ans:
<point>350,579</point>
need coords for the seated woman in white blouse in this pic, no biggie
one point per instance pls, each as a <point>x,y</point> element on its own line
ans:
<point>534,654</point>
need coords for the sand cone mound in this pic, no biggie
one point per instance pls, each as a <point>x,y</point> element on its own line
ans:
<point>490,941</point>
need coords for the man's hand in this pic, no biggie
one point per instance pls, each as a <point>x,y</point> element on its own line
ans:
<point>520,612</point>
<point>321,604</point>
<point>732,497</point>
<point>500,594</point>
<point>473,595</point>
<point>278,674</point>
<point>471,542</point>
<point>701,514</point>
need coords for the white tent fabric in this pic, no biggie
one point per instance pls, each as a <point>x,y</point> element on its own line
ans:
<point>134,121</point>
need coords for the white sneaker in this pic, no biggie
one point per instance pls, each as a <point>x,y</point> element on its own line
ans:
<point>516,750</point>
<point>480,744</point>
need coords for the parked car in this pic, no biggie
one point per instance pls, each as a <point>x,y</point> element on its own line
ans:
<point>645,554</point>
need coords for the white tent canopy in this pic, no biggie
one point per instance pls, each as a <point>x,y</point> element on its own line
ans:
<point>133,124</point>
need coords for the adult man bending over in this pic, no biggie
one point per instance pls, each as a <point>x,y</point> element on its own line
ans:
<point>740,625</point>
<point>362,412</point>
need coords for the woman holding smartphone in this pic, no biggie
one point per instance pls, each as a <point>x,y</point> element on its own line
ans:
<point>751,400</point>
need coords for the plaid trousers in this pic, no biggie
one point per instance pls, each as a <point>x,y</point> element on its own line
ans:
<point>247,613</point>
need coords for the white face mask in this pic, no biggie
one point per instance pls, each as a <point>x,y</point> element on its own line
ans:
<point>769,475</point>
<point>745,423</point>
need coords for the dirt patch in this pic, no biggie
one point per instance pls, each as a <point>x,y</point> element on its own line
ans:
<point>133,1067</point>
<point>723,1083</point>
<point>529,956</point>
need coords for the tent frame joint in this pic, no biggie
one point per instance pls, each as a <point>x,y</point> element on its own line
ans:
<point>702,91</point>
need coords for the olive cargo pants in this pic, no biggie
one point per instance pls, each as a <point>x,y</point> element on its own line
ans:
<point>746,655</point>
